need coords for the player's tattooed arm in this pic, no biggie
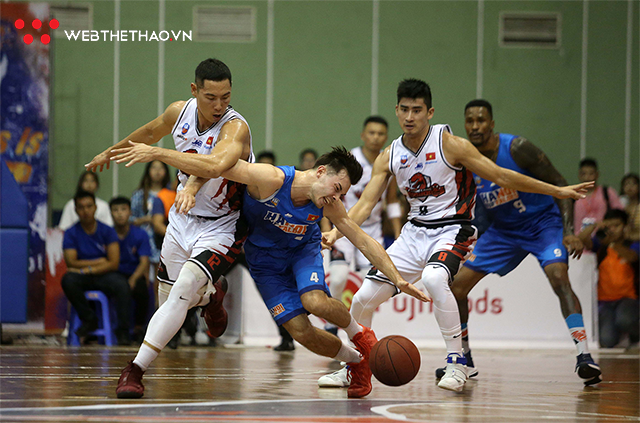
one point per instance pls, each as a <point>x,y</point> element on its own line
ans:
<point>530,157</point>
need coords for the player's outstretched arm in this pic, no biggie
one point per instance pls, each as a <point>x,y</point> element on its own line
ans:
<point>150,133</point>
<point>371,249</point>
<point>459,151</point>
<point>529,157</point>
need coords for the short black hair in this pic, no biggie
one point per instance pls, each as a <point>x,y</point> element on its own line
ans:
<point>480,103</point>
<point>115,201</point>
<point>213,70</point>
<point>266,154</point>
<point>588,161</point>
<point>376,119</point>
<point>631,175</point>
<point>414,88</point>
<point>80,194</point>
<point>339,158</point>
<point>308,151</point>
<point>617,214</point>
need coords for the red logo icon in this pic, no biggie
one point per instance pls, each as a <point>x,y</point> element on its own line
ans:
<point>37,24</point>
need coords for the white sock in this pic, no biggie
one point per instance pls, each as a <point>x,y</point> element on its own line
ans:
<point>436,281</point>
<point>353,329</point>
<point>348,354</point>
<point>146,355</point>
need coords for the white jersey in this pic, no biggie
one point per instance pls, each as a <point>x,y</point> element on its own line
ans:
<point>219,196</point>
<point>436,191</point>
<point>354,194</point>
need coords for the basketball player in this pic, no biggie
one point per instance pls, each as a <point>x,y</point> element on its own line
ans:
<point>282,207</point>
<point>523,224</point>
<point>433,170</point>
<point>344,256</point>
<point>203,240</point>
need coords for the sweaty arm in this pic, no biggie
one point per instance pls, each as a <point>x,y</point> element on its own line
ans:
<point>380,175</point>
<point>233,144</point>
<point>149,133</point>
<point>394,209</point>
<point>97,266</point>
<point>459,151</point>
<point>186,198</point>
<point>371,248</point>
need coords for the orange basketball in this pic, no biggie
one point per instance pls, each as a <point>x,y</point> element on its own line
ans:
<point>394,360</point>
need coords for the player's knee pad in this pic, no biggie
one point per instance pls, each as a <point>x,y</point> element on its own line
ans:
<point>188,285</point>
<point>339,273</point>
<point>368,298</point>
<point>435,279</point>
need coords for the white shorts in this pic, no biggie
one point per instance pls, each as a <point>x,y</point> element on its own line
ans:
<point>212,244</point>
<point>445,245</point>
<point>350,253</point>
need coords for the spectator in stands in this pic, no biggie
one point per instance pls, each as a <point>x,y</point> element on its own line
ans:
<point>266,156</point>
<point>629,198</point>
<point>600,199</point>
<point>92,255</point>
<point>617,278</point>
<point>308,158</point>
<point>168,197</point>
<point>88,182</point>
<point>147,209</point>
<point>134,261</point>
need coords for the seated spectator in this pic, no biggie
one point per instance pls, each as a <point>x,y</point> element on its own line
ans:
<point>600,199</point>
<point>308,159</point>
<point>266,156</point>
<point>147,210</point>
<point>617,278</point>
<point>168,197</point>
<point>92,255</point>
<point>629,198</point>
<point>88,182</point>
<point>134,261</point>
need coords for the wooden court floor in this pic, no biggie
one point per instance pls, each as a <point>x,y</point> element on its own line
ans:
<point>232,384</point>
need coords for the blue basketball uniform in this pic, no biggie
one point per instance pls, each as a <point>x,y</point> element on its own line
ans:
<point>522,223</point>
<point>283,249</point>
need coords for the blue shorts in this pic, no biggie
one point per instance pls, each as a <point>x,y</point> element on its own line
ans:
<point>282,276</point>
<point>500,251</point>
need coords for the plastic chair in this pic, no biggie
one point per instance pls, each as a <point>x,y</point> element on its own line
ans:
<point>105,326</point>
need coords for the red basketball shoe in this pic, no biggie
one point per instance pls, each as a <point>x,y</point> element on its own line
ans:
<point>214,313</point>
<point>130,383</point>
<point>360,372</point>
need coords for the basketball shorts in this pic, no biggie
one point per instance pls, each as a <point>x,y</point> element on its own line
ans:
<point>211,244</point>
<point>445,245</point>
<point>500,251</point>
<point>343,249</point>
<point>282,276</point>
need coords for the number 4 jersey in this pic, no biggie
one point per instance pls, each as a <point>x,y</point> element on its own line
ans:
<point>508,208</point>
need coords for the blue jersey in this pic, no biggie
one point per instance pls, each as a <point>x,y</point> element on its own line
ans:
<point>89,247</point>
<point>276,223</point>
<point>132,247</point>
<point>508,208</point>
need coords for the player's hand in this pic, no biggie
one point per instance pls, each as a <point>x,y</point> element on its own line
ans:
<point>99,161</point>
<point>574,246</point>
<point>185,201</point>
<point>575,191</point>
<point>136,152</point>
<point>410,289</point>
<point>329,238</point>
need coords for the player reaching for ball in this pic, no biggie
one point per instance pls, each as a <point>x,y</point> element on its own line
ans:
<point>283,250</point>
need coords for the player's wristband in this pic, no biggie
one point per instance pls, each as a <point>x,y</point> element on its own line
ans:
<point>394,211</point>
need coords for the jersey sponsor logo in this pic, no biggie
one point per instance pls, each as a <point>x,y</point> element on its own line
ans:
<point>191,150</point>
<point>498,197</point>
<point>277,310</point>
<point>185,128</point>
<point>182,137</point>
<point>431,157</point>
<point>197,143</point>
<point>419,166</point>
<point>403,159</point>
<point>420,187</point>
<point>209,143</point>
<point>313,217</point>
<point>279,222</point>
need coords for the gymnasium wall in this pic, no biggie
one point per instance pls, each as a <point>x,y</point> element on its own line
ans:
<point>323,55</point>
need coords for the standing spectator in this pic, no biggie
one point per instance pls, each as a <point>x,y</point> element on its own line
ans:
<point>168,197</point>
<point>147,209</point>
<point>134,261</point>
<point>308,158</point>
<point>629,198</point>
<point>87,182</point>
<point>617,278</point>
<point>600,199</point>
<point>92,255</point>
